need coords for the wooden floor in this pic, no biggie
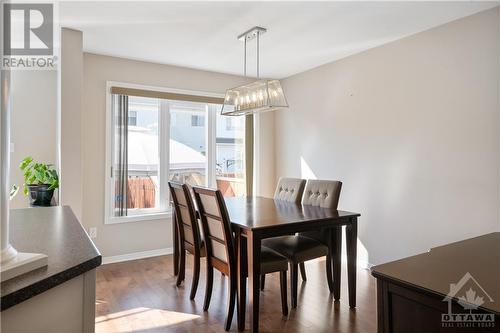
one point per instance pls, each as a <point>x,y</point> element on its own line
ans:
<point>140,296</point>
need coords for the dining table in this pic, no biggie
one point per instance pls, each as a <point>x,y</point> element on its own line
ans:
<point>256,218</point>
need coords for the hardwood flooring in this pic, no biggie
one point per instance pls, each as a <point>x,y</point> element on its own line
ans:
<point>141,296</point>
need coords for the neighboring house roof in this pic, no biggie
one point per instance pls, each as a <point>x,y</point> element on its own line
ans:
<point>143,152</point>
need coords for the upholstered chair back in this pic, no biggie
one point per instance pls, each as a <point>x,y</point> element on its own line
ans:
<point>289,189</point>
<point>322,193</point>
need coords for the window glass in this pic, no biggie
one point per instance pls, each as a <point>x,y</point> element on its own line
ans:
<point>188,150</point>
<point>143,155</point>
<point>230,155</point>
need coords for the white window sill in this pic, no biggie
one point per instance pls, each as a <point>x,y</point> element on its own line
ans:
<point>137,218</point>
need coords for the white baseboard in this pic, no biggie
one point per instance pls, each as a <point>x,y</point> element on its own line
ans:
<point>137,255</point>
<point>363,264</point>
<point>168,250</point>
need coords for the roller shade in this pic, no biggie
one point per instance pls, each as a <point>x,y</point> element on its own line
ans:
<point>166,95</point>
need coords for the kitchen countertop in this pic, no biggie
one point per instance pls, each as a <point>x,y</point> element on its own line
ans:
<point>56,232</point>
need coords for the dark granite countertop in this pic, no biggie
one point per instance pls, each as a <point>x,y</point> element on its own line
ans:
<point>56,232</point>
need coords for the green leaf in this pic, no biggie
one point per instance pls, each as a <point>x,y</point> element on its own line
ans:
<point>13,191</point>
<point>40,177</point>
<point>25,162</point>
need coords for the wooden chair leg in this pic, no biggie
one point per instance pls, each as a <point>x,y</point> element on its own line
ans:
<point>294,277</point>
<point>182,266</point>
<point>329,273</point>
<point>176,246</point>
<point>196,276</point>
<point>262,281</point>
<point>231,303</point>
<point>209,286</point>
<point>284,301</point>
<point>303,271</point>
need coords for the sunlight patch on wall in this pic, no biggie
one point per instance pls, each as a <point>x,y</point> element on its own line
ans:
<point>305,171</point>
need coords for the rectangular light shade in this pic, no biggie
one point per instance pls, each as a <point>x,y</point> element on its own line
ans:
<point>258,96</point>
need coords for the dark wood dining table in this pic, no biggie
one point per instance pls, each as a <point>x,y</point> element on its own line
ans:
<point>257,218</point>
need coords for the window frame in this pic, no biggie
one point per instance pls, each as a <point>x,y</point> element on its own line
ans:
<point>164,136</point>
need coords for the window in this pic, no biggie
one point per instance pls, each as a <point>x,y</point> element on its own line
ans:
<point>132,118</point>
<point>230,155</point>
<point>197,120</point>
<point>164,139</point>
<point>136,175</point>
<point>188,161</point>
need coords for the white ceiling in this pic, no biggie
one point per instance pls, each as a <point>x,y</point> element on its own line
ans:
<point>301,35</point>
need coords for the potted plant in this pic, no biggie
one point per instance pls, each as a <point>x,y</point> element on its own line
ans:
<point>40,181</point>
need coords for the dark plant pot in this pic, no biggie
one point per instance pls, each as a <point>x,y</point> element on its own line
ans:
<point>40,195</point>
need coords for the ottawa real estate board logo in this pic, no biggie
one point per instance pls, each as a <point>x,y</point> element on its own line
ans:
<point>28,36</point>
<point>469,294</point>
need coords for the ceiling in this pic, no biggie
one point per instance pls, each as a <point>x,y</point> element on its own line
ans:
<point>301,35</point>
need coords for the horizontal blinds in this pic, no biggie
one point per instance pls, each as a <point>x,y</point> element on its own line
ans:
<point>166,95</point>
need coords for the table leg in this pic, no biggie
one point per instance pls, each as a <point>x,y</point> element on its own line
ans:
<point>329,259</point>
<point>241,252</point>
<point>253,245</point>
<point>176,244</point>
<point>337,260</point>
<point>352,245</point>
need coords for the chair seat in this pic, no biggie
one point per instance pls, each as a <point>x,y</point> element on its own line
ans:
<point>271,261</point>
<point>296,248</point>
<point>320,236</point>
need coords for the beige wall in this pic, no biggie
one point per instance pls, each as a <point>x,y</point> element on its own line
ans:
<point>264,147</point>
<point>118,239</point>
<point>71,120</point>
<point>412,130</point>
<point>33,122</point>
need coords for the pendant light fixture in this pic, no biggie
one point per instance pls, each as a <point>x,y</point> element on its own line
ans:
<point>259,96</point>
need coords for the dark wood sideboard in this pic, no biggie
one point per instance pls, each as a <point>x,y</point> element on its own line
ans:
<point>451,288</point>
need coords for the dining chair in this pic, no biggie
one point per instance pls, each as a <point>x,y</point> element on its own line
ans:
<point>221,252</point>
<point>311,245</point>
<point>289,189</point>
<point>189,235</point>
<point>325,194</point>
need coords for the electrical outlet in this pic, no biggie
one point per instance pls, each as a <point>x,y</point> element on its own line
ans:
<point>93,232</point>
